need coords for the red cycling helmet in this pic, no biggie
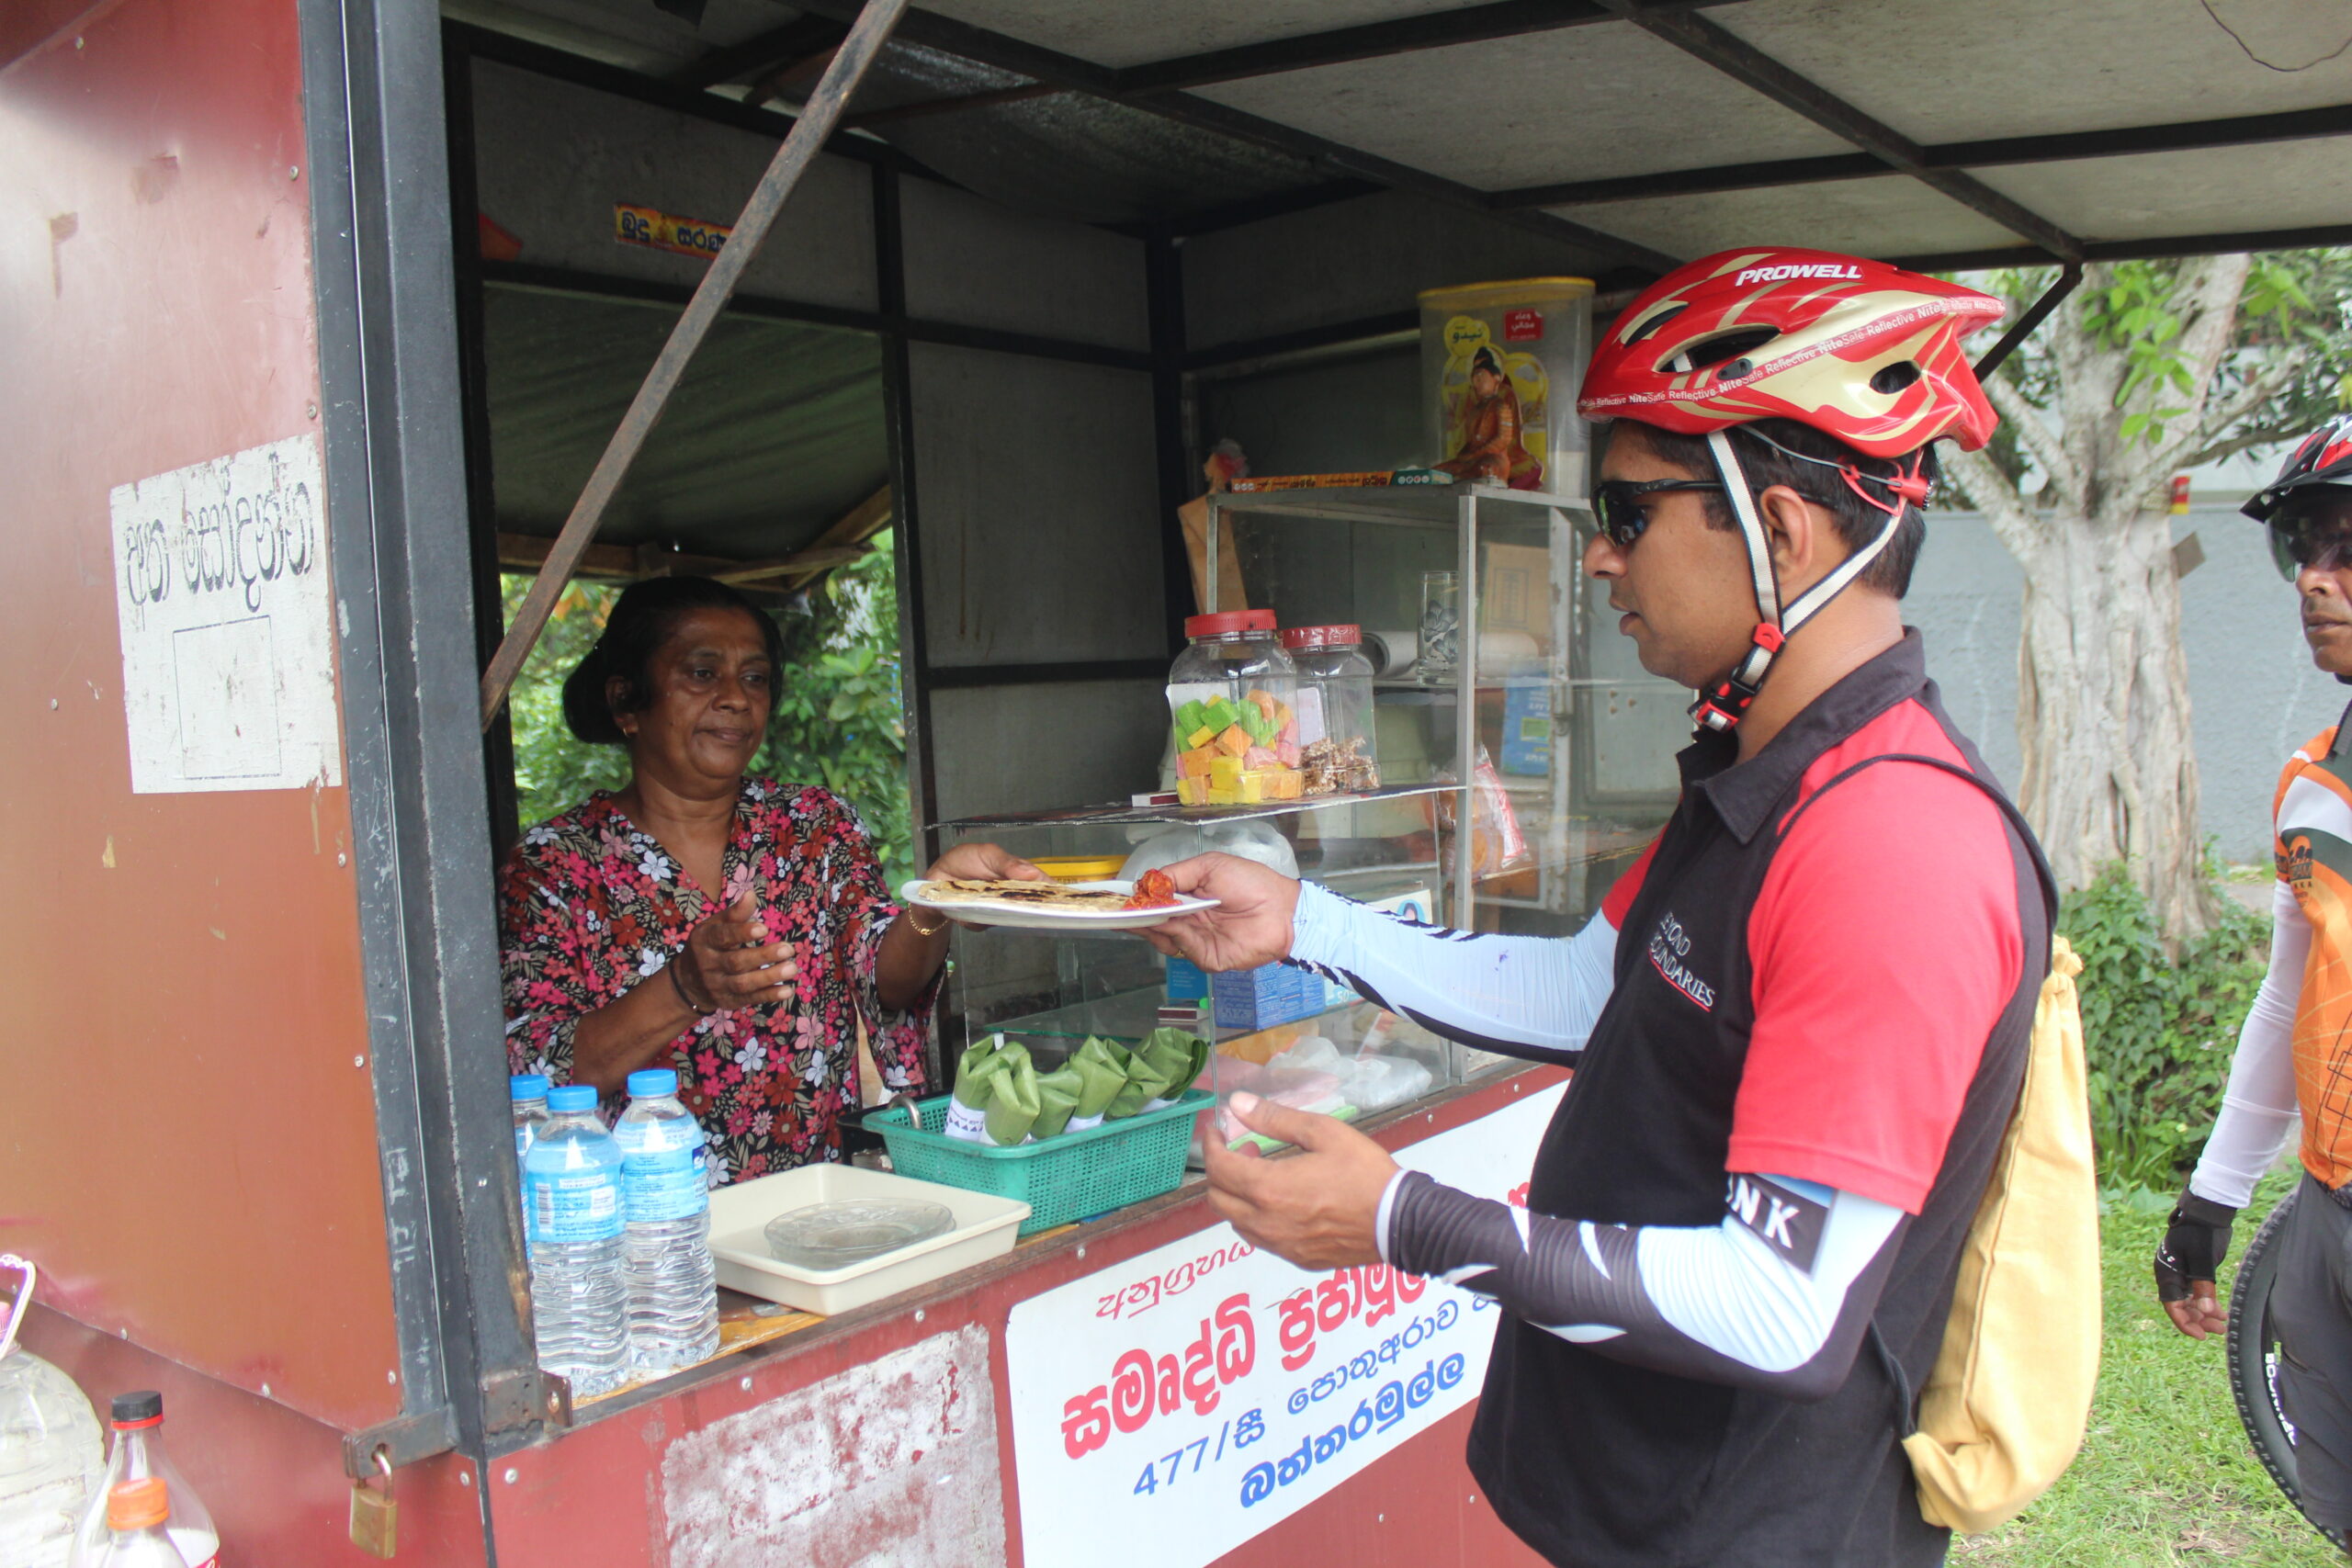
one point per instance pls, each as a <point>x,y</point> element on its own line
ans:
<point>2324,459</point>
<point>1859,350</point>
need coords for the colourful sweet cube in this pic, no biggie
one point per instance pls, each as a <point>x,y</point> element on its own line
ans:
<point>1225,772</point>
<point>1289,731</point>
<point>1253,788</point>
<point>1286,752</point>
<point>1282,714</point>
<point>1234,742</point>
<point>1197,739</point>
<point>1220,712</point>
<point>1258,757</point>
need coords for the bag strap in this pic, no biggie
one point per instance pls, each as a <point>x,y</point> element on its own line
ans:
<point>1906,1403</point>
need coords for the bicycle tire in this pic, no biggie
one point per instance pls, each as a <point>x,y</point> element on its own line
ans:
<point>2253,1347</point>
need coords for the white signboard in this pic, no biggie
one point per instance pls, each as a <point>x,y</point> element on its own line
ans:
<point>1169,1408</point>
<point>228,635</point>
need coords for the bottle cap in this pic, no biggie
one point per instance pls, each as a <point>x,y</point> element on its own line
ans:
<point>1224,623</point>
<point>139,1408</point>
<point>135,1505</point>
<point>527,1086</point>
<point>572,1097</point>
<point>652,1083</point>
<point>1321,637</point>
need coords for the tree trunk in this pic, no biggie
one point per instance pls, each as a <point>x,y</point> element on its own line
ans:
<point>2103,719</point>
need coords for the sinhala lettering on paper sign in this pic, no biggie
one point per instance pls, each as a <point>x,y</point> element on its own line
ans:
<point>1169,1408</point>
<point>228,636</point>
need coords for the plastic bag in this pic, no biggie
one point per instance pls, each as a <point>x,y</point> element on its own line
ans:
<point>1497,845</point>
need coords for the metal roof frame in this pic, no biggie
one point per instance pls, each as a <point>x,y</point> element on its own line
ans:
<point>1159,88</point>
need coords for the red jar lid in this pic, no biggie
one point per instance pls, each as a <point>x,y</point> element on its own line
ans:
<point>1224,623</point>
<point>1322,636</point>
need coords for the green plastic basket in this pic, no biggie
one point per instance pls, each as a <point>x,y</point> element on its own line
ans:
<point>1072,1176</point>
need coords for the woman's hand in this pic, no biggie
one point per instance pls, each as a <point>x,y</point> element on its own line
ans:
<point>981,863</point>
<point>1249,926</point>
<point>729,961</point>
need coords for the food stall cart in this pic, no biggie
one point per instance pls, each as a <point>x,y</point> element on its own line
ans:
<point>273,419</point>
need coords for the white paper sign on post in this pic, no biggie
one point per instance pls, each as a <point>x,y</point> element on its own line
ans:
<point>228,629</point>
<point>1171,1407</point>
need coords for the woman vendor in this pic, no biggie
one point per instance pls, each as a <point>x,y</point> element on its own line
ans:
<point>616,954</point>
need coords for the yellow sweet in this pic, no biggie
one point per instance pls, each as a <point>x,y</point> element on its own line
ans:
<point>1200,737</point>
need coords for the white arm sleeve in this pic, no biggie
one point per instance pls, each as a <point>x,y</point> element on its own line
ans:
<point>2258,1107</point>
<point>1525,996</point>
<point>1776,1296</point>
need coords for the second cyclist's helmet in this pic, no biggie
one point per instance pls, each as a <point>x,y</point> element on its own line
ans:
<point>2324,459</point>
<point>1864,352</point>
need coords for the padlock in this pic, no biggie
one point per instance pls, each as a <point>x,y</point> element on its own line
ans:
<point>375,1517</point>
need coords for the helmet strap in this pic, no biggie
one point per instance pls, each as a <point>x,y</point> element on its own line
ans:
<point>1722,708</point>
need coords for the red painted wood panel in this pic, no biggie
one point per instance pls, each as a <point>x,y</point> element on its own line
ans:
<point>273,1478</point>
<point>188,1145</point>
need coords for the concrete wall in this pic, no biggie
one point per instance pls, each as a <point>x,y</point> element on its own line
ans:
<point>2254,695</point>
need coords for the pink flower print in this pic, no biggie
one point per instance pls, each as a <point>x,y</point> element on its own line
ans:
<point>761,1121</point>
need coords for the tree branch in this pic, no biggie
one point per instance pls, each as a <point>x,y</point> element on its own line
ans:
<point>2214,286</point>
<point>1989,489</point>
<point>2035,435</point>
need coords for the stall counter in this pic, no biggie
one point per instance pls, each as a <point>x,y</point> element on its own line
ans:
<point>1144,1387</point>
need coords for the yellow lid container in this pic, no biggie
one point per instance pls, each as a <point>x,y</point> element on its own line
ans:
<point>1501,364</point>
<point>1078,868</point>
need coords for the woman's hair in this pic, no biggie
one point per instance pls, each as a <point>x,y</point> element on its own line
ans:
<point>644,618</point>
<point>1485,360</point>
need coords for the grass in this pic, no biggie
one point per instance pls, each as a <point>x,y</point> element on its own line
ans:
<point>2165,1476</point>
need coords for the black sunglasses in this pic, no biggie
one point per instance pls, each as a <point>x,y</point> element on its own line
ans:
<point>1619,504</point>
<point>2320,538</point>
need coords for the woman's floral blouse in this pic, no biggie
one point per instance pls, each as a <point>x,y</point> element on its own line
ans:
<point>590,905</point>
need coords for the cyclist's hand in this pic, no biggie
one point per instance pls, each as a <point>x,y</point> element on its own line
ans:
<point>2195,1242</point>
<point>1250,926</point>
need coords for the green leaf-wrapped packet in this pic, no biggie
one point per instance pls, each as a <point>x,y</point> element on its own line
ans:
<point>1103,1064</point>
<point>1057,1093</point>
<point>974,1077</point>
<point>1161,1068</point>
<point>1012,1098</point>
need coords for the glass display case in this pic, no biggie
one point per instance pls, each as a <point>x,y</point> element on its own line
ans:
<point>1571,771</point>
<point>1491,645</point>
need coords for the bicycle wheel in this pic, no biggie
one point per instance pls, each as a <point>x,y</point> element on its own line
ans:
<point>2254,1360</point>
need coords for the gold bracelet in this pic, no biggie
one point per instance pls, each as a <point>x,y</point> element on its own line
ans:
<point>944,921</point>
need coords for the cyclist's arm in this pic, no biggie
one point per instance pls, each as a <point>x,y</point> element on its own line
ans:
<point>1776,1297</point>
<point>1523,996</point>
<point>2258,1106</point>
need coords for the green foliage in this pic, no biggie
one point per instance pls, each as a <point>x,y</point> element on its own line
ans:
<point>2293,327</point>
<point>838,719</point>
<point>2159,1028</point>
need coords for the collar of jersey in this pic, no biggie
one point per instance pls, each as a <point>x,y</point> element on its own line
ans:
<point>1742,793</point>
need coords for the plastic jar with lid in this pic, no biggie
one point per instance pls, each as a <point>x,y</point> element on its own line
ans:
<point>1335,727</point>
<point>1232,696</point>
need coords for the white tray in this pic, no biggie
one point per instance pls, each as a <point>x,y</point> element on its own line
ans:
<point>985,1227</point>
<point>1024,917</point>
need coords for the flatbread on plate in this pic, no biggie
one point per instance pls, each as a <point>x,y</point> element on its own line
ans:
<point>1033,895</point>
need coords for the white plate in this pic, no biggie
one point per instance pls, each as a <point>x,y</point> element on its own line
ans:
<point>1029,918</point>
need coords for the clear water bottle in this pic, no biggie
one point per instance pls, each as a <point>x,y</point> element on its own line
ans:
<point>571,1201</point>
<point>139,1516</point>
<point>665,1246</point>
<point>50,1450</point>
<point>528,1092</point>
<point>139,1454</point>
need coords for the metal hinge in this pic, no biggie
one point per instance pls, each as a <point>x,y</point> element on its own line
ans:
<point>403,1439</point>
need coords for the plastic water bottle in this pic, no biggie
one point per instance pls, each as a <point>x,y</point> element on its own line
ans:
<point>50,1458</point>
<point>571,1198</point>
<point>665,1248</point>
<point>528,1092</point>
<point>50,1455</point>
<point>137,1513</point>
<point>139,1454</point>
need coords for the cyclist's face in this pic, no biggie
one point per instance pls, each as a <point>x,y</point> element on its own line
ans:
<point>1684,584</point>
<point>2313,540</point>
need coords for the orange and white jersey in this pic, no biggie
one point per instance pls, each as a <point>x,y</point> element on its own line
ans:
<point>2294,1050</point>
<point>2313,817</point>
